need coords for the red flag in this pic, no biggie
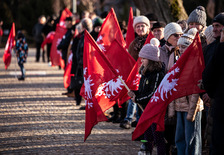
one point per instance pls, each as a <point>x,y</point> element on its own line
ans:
<point>181,80</point>
<point>130,35</point>
<point>97,70</point>
<point>123,62</point>
<point>9,46</point>
<point>110,30</point>
<point>149,37</point>
<point>67,73</point>
<point>65,13</point>
<point>56,54</point>
<point>49,39</point>
<point>133,78</point>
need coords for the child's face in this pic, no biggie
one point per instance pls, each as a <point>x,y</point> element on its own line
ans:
<point>182,48</point>
<point>145,62</point>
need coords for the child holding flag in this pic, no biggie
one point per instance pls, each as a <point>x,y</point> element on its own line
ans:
<point>152,72</point>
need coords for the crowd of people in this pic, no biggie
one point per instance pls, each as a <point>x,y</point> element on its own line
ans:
<point>189,119</point>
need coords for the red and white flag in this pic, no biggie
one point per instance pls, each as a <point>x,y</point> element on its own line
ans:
<point>133,78</point>
<point>55,54</point>
<point>130,35</point>
<point>9,46</point>
<point>123,62</point>
<point>181,80</point>
<point>110,30</point>
<point>97,70</point>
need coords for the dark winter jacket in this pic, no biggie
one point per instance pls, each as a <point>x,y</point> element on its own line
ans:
<point>147,86</point>
<point>209,51</point>
<point>213,74</point>
<point>79,55</point>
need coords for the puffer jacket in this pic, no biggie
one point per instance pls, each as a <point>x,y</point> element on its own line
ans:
<point>190,104</point>
<point>147,86</point>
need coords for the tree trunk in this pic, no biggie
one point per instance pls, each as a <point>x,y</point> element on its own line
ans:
<point>165,10</point>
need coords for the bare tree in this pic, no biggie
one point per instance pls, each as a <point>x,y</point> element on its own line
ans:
<point>165,10</point>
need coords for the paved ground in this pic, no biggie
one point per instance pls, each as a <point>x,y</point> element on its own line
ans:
<point>36,119</point>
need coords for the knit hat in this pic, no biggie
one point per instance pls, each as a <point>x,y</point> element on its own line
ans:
<point>187,38</point>
<point>141,19</point>
<point>158,25</point>
<point>198,16</point>
<point>172,28</point>
<point>150,51</point>
<point>87,24</point>
<point>209,34</point>
<point>219,18</point>
<point>97,22</point>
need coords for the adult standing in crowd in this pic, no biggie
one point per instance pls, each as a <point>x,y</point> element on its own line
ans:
<point>212,79</point>
<point>188,110</point>
<point>158,32</point>
<point>197,19</point>
<point>141,26</point>
<point>63,45</point>
<point>37,33</point>
<point>86,25</point>
<point>48,27</point>
<point>170,53</point>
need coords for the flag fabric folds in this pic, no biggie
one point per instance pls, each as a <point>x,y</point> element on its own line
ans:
<point>9,46</point>
<point>110,30</point>
<point>56,54</point>
<point>97,70</point>
<point>130,35</point>
<point>181,80</point>
<point>123,62</point>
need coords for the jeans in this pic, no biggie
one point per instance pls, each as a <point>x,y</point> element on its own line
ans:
<point>132,107</point>
<point>188,134</point>
<point>22,69</point>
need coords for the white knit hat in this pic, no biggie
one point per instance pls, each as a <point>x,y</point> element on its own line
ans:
<point>187,38</point>
<point>209,34</point>
<point>150,51</point>
<point>172,28</point>
<point>141,19</point>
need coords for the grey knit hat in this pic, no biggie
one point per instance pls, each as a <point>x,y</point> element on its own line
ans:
<point>219,18</point>
<point>209,34</point>
<point>150,51</point>
<point>87,24</point>
<point>198,16</point>
<point>187,38</point>
<point>172,28</point>
<point>141,19</point>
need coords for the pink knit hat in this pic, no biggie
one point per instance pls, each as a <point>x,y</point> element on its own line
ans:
<point>150,51</point>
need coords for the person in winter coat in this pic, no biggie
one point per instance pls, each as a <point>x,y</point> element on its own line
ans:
<point>212,78</point>
<point>170,53</point>
<point>152,73</point>
<point>63,45</point>
<point>197,19</point>
<point>188,110</point>
<point>158,32</point>
<point>21,53</point>
<point>78,70</point>
<point>141,26</point>
<point>37,33</point>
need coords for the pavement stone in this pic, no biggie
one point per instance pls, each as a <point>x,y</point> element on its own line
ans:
<point>36,119</point>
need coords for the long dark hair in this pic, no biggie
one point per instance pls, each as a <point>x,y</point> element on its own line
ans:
<point>151,67</point>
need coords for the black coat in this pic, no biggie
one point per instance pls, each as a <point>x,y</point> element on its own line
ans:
<point>147,86</point>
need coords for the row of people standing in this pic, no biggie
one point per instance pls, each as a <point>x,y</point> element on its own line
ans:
<point>183,119</point>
